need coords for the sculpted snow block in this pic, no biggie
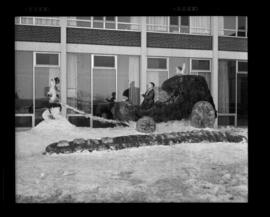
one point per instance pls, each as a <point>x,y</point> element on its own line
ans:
<point>121,142</point>
<point>146,125</point>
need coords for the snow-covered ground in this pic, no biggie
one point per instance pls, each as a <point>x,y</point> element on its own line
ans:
<point>186,172</point>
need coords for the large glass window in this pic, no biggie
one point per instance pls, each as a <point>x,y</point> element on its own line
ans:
<point>128,71</point>
<point>242,94</point>
<point>43,75</point>
<point>157,70</point>
<point>23,82</point>
<point>79,82</point>
<point>232,93</point>
<point>202,67</point>
<point>227,91</point>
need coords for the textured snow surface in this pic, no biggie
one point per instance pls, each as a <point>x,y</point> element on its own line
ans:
<point>195,172</point>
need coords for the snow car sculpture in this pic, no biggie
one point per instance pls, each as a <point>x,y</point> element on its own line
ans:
<point>180,97</point>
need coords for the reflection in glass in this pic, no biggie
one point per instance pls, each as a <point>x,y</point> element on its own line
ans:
<point>23,82</point>
<point>226,86</point>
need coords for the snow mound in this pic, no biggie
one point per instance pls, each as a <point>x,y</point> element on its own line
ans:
<point>61,123</point>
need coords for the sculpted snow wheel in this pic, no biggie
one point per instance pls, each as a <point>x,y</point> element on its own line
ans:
<point>203,115</point>
<point>146,125</point>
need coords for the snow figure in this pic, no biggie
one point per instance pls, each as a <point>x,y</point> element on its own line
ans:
<point>54,106</point>
<point>180,70</point>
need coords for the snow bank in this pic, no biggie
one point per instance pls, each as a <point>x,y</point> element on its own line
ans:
<point>35,141</point>
<point>61,123</point>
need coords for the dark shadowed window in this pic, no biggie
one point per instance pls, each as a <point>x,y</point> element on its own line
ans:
<point>229,25</point>
<point>47,59</point>
<point>104,61</point>
<point>242,66</point>
<point>242,26</point>
<point>157,63</point>
<point>200,65</point>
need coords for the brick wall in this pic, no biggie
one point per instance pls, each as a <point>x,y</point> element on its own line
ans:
<point>179,41</point>
<point>103,37</point>
<point>37,33</point>
<point>232,44</point>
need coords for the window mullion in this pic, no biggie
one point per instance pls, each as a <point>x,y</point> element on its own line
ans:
<point>179,24</point>
<point>236,25</point>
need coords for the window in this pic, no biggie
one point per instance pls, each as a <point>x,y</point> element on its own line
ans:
<point>157,70</point>
<point>45,59</point>
<point>200,25</point>
<point>24,82</point>
<point>184,24</point>
<point>179,24</point>
<point>242,26</point>
<point>229,26</point>
<point>233,26</point>
<point>157,24</point>
<point>242,66</point>
<point>202,67</point>
<point>83,21</point>
<point>104,61</point>
<point>123,23</point>
<point>110,23</point>
<point>98,22</point>
<point>227,87</point>
<point>174,24</point>
<point>157,63</point>
<point>232,92</point>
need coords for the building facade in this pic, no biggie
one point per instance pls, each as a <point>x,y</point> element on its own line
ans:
<point>96,56</point>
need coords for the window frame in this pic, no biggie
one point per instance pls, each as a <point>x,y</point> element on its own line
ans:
<point>104,67</point>
<point>46,65</point>
<point>104,22</point>
<point>196,71</point>
<point>34,22</point>
<point>236,99</point>
<point>180,28</point>
<point>235,30</point>
<point>241,72</point>
<point>155,69</point>
<point>199,70</point>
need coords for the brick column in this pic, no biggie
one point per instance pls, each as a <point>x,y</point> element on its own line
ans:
<point>214,86</point>
<point>143,65</point>
<point>63,25</point>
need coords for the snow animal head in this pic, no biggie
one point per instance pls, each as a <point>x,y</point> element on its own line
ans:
<point>180,70</point>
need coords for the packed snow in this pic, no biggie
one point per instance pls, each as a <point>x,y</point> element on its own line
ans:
<point>195,172</point>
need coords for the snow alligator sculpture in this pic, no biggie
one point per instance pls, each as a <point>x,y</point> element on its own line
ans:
<point>121,142</point>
